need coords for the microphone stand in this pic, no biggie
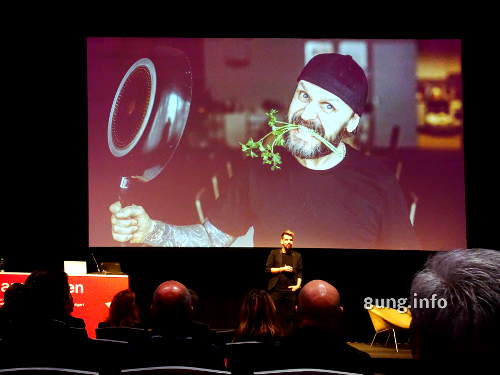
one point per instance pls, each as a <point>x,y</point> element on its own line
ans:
<point>99,270</point>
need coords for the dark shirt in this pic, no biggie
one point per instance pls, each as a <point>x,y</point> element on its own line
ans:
<point>43,342</point>
<point>72,321</point>
<point>5,322</point>
<point>356,204</point>
<point>274,260</point>
<point>285,279</point>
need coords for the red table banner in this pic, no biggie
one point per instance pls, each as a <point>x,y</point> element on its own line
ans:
<point>92,294</point>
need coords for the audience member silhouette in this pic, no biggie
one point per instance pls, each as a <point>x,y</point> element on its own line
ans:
<point>123,311</point>
<point>455,308</point>
<point>47,302</point>
<point>69,319</point>
<point>258,319</point>
<point>318,342</point>
<point>13,308</point>
<point>12,298</point>
<point>172,312</point>
<point>50,297</point>
<point>177,338</point>
<point>41,334</point>
<point>256,340</point>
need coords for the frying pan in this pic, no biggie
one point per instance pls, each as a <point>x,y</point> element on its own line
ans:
<point>148,115</point>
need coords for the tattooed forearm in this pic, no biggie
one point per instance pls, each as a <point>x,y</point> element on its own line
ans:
<point>199,235</point>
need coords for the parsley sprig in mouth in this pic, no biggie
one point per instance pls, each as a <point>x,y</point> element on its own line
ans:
<point>267,153</point>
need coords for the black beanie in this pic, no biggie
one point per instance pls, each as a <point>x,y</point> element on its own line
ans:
<point>340,75</point>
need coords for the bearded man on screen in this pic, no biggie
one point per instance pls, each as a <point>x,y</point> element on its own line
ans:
<point>338,200</point>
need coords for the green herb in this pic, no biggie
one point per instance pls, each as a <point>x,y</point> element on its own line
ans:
<point>267,153</point>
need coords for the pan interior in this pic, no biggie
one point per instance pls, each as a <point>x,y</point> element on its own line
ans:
<point>131,107</point>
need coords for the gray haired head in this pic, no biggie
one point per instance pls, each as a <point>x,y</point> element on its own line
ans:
<point>468,280</point>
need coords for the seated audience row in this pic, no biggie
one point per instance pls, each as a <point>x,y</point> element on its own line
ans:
<point>37,318</point>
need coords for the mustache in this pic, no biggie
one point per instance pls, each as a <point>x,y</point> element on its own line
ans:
<point>311,124</point>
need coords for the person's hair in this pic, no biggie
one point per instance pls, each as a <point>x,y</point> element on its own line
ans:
<point>15,298</point>
<point>288,232</point>
<point>258,316</point>
<point>195,301</point>
<point>12,292</point>
<point>123,311</point>
<point>48,292</point>
<point>464,319</point>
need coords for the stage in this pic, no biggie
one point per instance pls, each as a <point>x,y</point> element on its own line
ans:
<point>382,351</point>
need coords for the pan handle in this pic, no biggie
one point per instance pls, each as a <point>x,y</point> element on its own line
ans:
<point>124,198</point>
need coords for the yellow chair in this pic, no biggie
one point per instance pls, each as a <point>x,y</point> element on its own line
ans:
<point>387,319</point>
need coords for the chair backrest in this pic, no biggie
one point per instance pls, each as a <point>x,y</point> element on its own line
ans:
<point>396,318</point>
<point>78,333</point>
<point>245,347</point>
<point>221,181</point>
<point>384,318</point>
<point>109,355</point>
<point>215,186</point>
<point>186,370</point>
<point>127,334</point>
<point>248,356</point>
<point>177,370</point>
<point>379,323</point>
<point>207,195</point>
<point>304,371</point>
<point>203,202</point>
<point>223,336</point>
<point>46,370</point>
<point>229,169</point>
<point>193,351</point>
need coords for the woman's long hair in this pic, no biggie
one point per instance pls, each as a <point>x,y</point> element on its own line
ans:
<point>258,316</point>
<point>123,311</point>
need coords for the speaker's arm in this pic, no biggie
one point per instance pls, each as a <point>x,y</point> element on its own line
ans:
<point>199,235</point>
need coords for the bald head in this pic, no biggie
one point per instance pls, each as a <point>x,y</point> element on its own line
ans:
<point>319,304</point>
<point>171,299</point>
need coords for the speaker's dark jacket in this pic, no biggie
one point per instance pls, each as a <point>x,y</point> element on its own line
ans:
<point>275,260</point>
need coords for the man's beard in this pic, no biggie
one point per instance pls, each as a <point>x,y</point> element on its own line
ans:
<point>306,150</point>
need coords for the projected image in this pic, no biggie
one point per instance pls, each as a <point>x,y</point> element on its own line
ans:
<point>213,142</point>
